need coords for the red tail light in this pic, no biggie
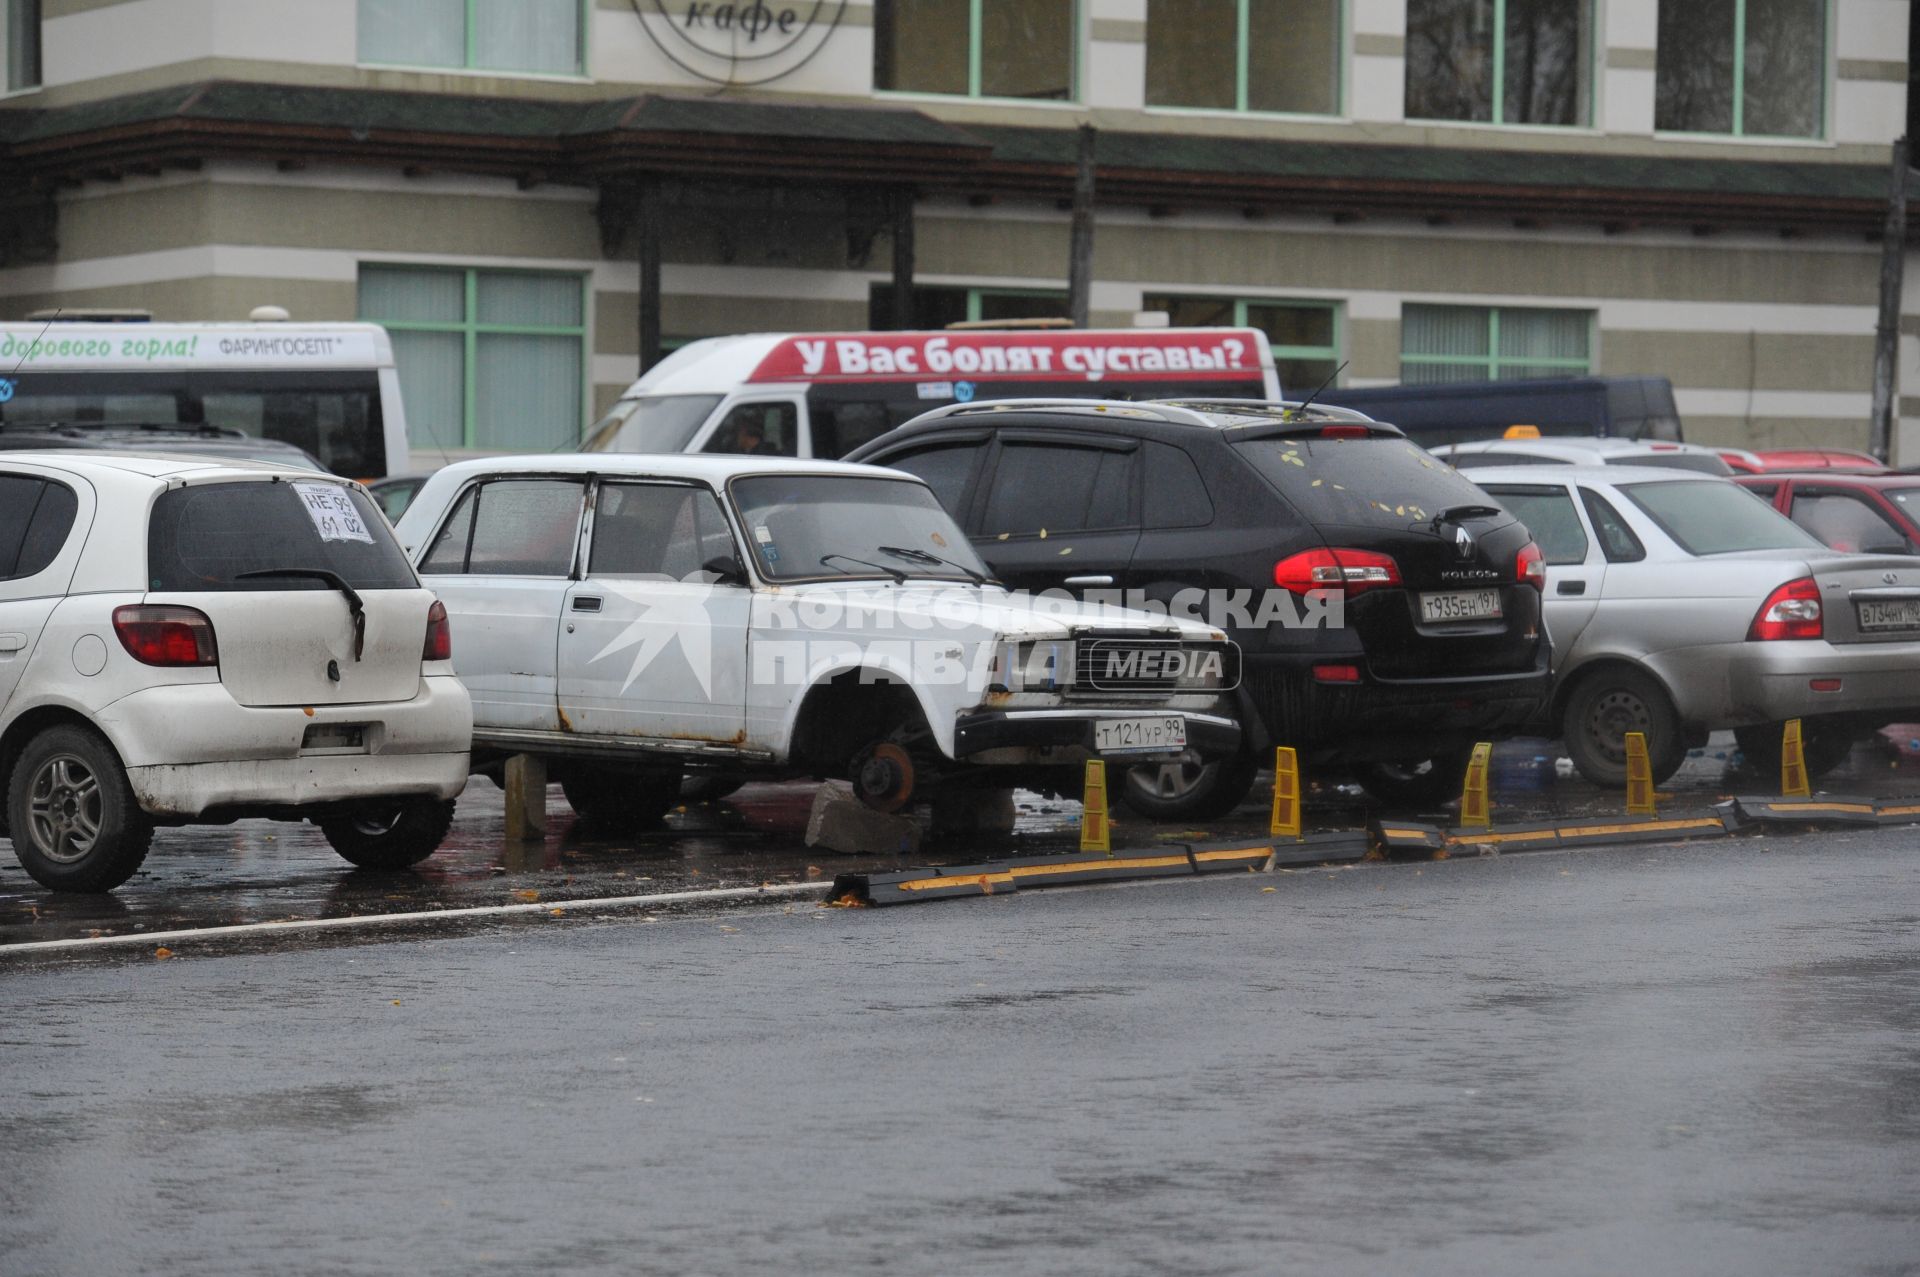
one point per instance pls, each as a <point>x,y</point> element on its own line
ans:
<point>1336,673</point>
<point>165,635</point>
<point>1348,570</point>
<point>1530,568</point>
<point>1345,432</point>
<point>439,645</point>
<point>1790,612</point>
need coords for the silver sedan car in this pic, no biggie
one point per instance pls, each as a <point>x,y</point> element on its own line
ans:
<point>1678,604</point>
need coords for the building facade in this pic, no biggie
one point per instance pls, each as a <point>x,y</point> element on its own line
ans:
<point>1398,189</point>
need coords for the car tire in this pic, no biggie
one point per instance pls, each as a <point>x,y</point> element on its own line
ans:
<point>1603,708</point>
<point>1188,788</point>
<point>1419,783</point>
<point>1824,746</point>
<point>620,801</point>
<point>74,821</point>
<point>389,838</point>
<point>710,787</point>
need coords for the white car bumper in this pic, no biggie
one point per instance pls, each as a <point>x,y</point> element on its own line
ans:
<point>192,748</point>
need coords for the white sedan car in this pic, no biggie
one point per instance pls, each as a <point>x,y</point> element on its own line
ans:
<point>1679,604</point>
<point>1580,450</point>
<point>189,641</point>
<point>636,619</point>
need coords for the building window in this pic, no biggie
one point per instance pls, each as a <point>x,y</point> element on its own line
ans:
<point>975,48</point>
<point>1305,336</point>
<point>20,34</point>
<point>1492,343</point>
<point>488,359</point>
<point>938,307</point>
<point>1244,55</point>
<point>480,35</point>
<point>1745,67</point>
<point>1500,61</point>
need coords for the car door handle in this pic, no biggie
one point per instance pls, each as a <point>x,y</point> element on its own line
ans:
<point>1089,580</point>
<point>1571,587</point>
<point>586,602</point>
<point>12,642</point>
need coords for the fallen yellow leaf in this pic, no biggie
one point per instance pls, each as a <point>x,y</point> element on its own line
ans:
<point>163,952</point>
<point>527,894</point>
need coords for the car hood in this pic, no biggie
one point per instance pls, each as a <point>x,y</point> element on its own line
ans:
<point>958,606</point>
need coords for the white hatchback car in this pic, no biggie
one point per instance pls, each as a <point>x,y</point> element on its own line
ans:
<point>188,641</point>
<point>639,618</point>
<point>1680,603</point>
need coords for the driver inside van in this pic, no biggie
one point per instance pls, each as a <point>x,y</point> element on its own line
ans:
<point>755,432</point>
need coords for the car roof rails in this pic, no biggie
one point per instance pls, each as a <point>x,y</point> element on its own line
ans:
<point>1089,410</point>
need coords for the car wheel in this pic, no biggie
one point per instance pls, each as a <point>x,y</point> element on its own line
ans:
<point>75,823</point>
<point>1824,746</point>
<point>884,776</point>
<point>1423,783</point>
<point>710,787</point>
<point>1606,706</point>
<point>620,801</point>
<point>1188,787</point>
<point>390,837</point>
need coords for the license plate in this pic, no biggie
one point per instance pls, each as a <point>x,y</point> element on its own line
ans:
<point>1890,614</point>
<point>335,736</point>
<point>1460,605</point>
<point>1140,735</point>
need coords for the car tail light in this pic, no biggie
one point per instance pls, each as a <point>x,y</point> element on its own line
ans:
<point>1348,570</point>
<point>166,635</point>
<point>439,645</point>
<point>1336,673</point>
<point>1530,567</point>
<point>1790,612</point>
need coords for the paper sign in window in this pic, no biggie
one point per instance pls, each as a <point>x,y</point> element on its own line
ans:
<point>332,511</point>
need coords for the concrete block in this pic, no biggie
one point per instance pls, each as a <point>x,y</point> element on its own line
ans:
<point>841,822</point>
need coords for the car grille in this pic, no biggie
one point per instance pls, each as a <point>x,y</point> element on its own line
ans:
<point>1126,665</point>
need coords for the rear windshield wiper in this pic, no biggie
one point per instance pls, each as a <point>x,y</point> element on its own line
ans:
<point>333,579</point>
<point>927,556</point>
<point>1453,514</point>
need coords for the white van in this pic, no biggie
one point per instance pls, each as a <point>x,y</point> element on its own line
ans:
<point>328,388</point>
<point>825,394</point>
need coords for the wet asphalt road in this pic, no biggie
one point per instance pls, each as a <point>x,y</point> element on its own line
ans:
<point>1700,1059</point>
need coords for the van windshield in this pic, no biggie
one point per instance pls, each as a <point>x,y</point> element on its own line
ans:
<point>652,423</point>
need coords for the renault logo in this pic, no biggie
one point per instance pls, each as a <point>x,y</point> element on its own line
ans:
<point>1891,578</point>
<point>1463,542</point>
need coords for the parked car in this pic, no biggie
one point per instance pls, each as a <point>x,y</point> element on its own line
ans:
<point>1848,510</point>
<point>185,641</point>
<point>1447,412</point>
<point>1439,643</point>
<point>1573,452</point>
<point>638,618</point>
<point>1679,605</point>
<point>217,442</point>
<point>1769,460</point>
<point>395,493</point>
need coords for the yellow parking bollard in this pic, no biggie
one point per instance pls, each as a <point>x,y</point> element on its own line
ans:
<point>1794,782</point>
<point>1475,811</point>
<point>1286,794</point>
<point>1094,835</point>
<point>1641,800</point>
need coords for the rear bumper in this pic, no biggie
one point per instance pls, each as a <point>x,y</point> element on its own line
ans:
<point>1388,719</point>
<point>192,747</point>
<point>1067,735</point>
<point>1742,684</point>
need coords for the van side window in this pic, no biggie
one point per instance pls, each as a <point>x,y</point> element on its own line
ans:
<point>1617,540</point>
<point>511,527</point>
<point>839,428</point>
<point>769,429</point>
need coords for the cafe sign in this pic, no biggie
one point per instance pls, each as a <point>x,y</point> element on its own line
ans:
<point>739,42</point>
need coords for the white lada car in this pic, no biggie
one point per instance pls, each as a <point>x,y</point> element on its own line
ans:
<point>1679,603</point>
<point>638,619</point>
<point>189,641</point>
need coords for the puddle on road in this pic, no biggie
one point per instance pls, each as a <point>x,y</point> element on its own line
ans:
<point>258,871</point>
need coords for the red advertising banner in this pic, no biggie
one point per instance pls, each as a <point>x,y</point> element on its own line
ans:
<point>1063,355</point>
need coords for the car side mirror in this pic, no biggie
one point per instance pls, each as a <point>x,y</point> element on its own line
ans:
<point>727,569</point>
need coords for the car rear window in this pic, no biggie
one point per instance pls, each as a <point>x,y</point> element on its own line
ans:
<point>1549,514</point>
<point>1373,482</point>
<point>211,536</point>
<point>1707,516</point>
<point>1696,461</point>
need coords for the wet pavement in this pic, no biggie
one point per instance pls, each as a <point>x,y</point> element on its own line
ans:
<point>1649,1059</point>
<point>258,871</point>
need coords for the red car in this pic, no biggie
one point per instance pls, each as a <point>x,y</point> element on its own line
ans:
<point>1872,513</point>
<point>1775,459</point>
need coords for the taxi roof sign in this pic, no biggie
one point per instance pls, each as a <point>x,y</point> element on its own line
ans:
<point>1522,432</point>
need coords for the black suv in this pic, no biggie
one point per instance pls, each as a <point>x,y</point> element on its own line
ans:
<point>1440,642</point>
